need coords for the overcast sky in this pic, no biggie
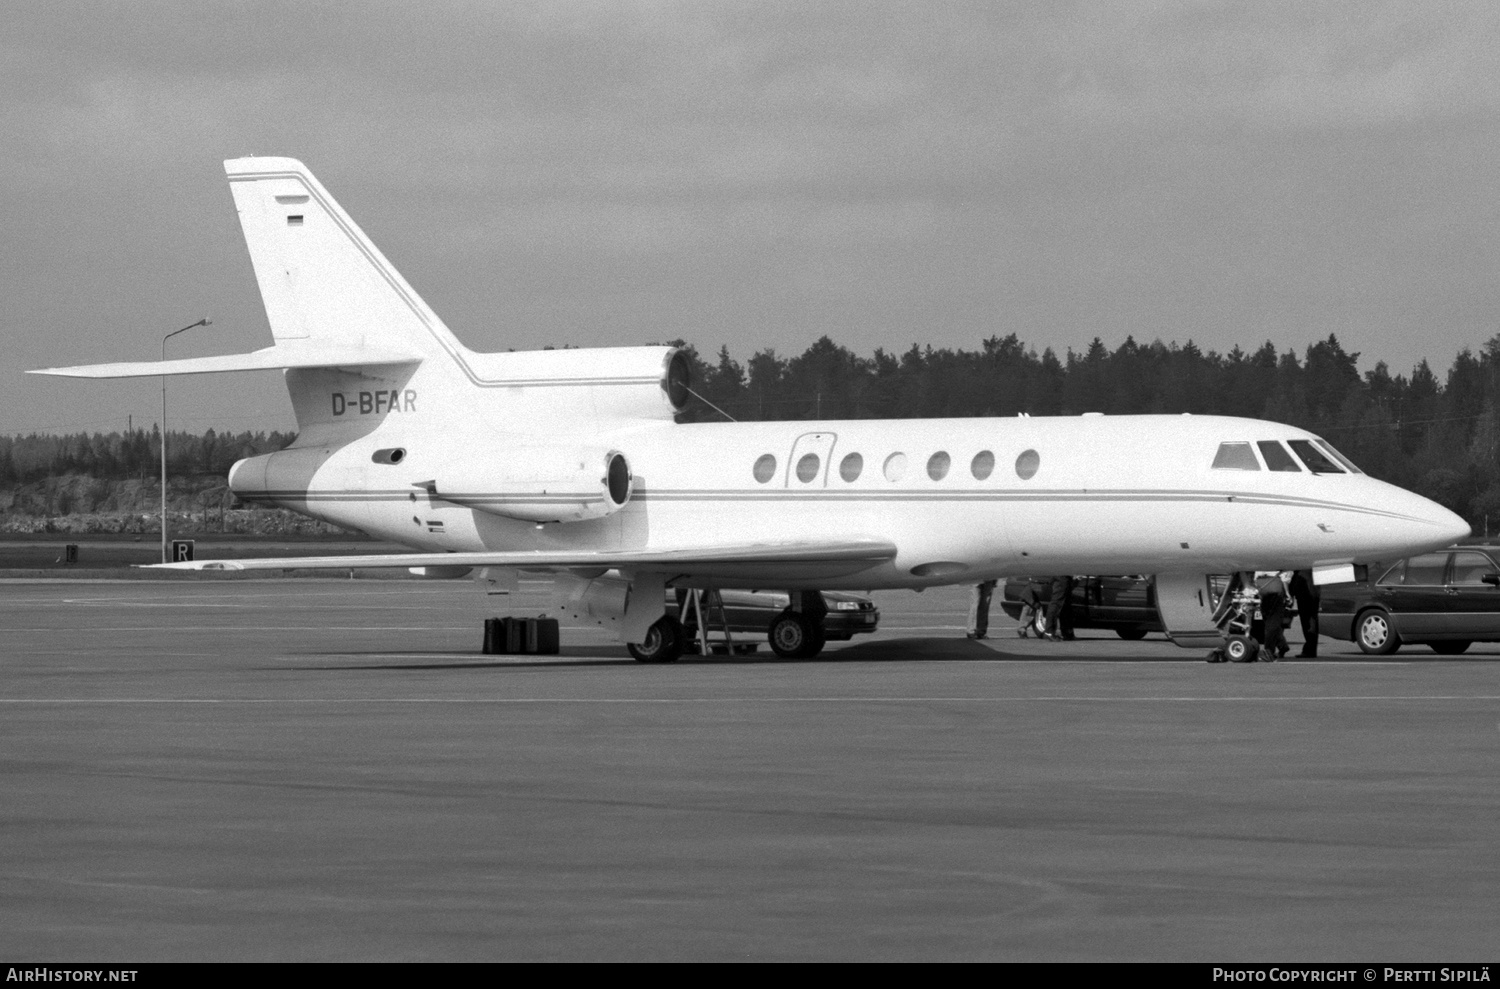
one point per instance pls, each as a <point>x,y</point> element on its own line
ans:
<point>756,175</point>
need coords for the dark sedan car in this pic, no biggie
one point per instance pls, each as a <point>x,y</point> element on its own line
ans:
<point>1125,604</point>
<point>750,614</point>
<point>1447,600</point>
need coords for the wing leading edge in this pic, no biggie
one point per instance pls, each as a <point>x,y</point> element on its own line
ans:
<point>749,562</point>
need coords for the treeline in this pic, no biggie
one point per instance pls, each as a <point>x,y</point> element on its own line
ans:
<point>134,454</point>
<point>1437,437</point>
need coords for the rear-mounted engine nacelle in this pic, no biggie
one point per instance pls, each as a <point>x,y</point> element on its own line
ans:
<point>538,484</point>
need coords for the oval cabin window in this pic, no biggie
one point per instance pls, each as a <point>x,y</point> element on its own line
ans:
<point>807,468</point>
<point>851,467</point>
<point>983,465</point>
<point>765,468</point>
<point>1027,464</point>
<point>895,467</point>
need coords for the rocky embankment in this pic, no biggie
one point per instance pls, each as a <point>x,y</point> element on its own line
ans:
<point>78,503</point>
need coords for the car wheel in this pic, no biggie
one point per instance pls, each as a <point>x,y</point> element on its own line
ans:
<point>1131,634</point>
<point>1375,633</point>
<point>795,636</point>
<point>664,642</point>
<point>1449,647</point>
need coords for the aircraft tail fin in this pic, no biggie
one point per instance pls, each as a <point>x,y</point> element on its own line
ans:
<point>325,285</point>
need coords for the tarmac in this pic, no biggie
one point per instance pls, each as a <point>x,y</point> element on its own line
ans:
<point>329,770</point>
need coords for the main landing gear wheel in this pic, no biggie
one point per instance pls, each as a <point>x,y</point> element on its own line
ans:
<point>794,635</point>
<point>1375,633</point>
<point>1241,649</point>
<point>664,642</point>
<point>1131,634</point>
<point>1449,647</point>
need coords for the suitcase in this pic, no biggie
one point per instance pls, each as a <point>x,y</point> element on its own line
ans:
<point>548,641</point>
<point>513,636</point>
<point>512,639</point>
<point>528,634</point>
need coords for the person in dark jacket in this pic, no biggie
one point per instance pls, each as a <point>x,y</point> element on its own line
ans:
<point>1059,609</point>
<point>1308,598</point>
<point>1032,607</point>
<point>1273,611</point>
<point>979,609</point>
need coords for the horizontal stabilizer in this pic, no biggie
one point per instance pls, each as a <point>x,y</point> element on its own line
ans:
<point>752,562</point>
<point>269,359</point>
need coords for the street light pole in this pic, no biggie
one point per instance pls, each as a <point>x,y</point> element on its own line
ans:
<point>202,322</point>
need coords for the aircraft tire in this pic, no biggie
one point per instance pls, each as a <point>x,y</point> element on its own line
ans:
<point>664,643</point>
<point>1375,633</point>
<point>1450,647</point>
<point>1241,649</point>
<point>1131,634</point>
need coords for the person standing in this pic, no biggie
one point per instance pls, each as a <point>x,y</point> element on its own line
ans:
<point>1309,599</point>
<point>979,609</point>
<point>1059,609</point>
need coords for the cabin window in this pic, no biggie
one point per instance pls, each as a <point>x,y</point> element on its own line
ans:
<point>1027,464</point>
<point>1316,460</point>
<point>938,464</point>
<point>1235,456</point>
<point>807,467</point>
<point>1348,464</point>
<point>765,468</point>
<point>1425,570</point>
<point>851,467</point>
<point>895,467</point>
<point>1277,458</point>
<point>982,465</point>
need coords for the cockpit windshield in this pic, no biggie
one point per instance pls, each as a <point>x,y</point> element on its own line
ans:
<point>1316,460</point>
<point>1328,448</point>
<point>1277,458</point>
<point>1235,456</point>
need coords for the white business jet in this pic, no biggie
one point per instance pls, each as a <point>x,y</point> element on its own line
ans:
<point>562,474</point>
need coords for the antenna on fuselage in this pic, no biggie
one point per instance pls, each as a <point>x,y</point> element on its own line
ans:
<point>711,405</point>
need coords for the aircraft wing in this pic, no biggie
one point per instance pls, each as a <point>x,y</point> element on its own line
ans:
<point>749,562</point>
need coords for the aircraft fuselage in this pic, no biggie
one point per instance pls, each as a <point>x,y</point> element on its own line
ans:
<point>962,499</point>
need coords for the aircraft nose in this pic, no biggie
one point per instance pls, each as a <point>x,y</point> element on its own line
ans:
<point>1413,524</point>
<point>1451,523</point>
<point>1438,522</point>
